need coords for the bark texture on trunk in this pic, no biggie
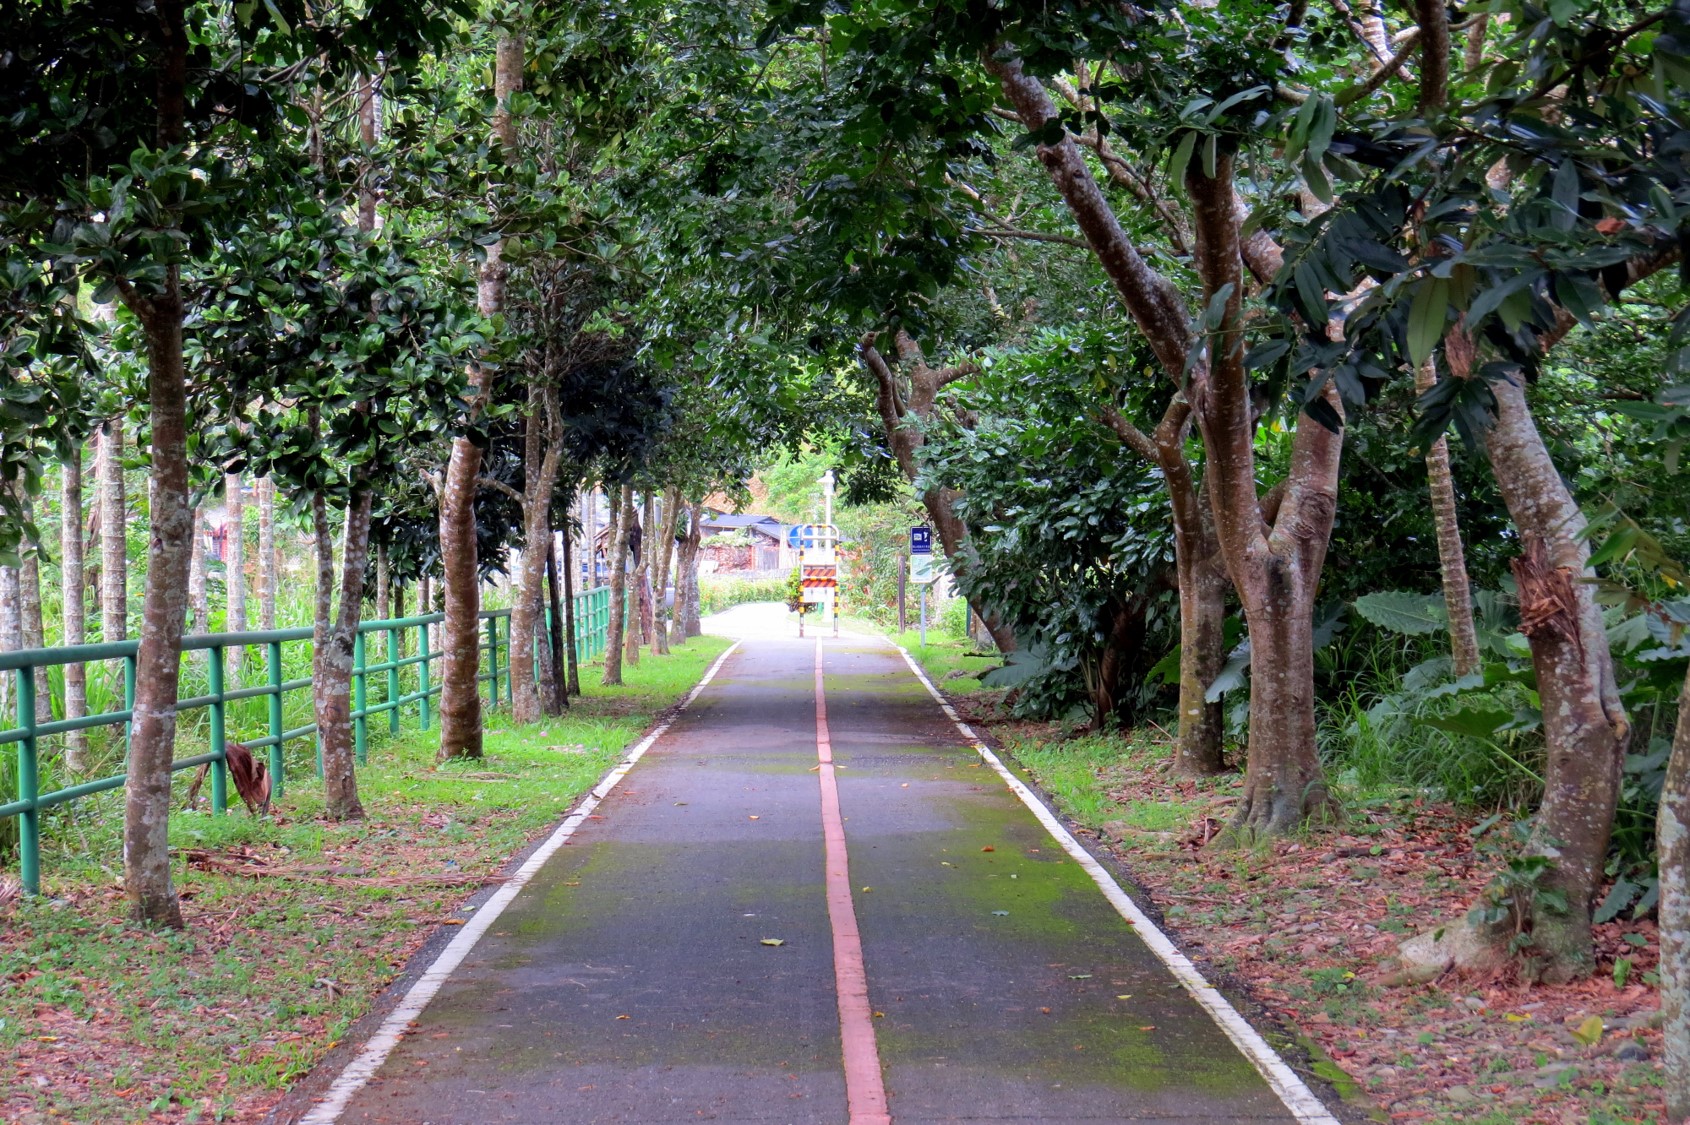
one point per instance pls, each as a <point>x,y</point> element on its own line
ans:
<point>541,461</point>
<point>633,531</point>
<point>72,590</point>
<point>460,635</point>
<point>267,566</point>
<point>11,637</point>
<point>460,701</point>
<point>199,605</point>
<point>664,548</point>
<point>384,585</point>
<point>234,574</point>
<point>333,638</point>
<point>905,405</point>
<point>1672,856</point>
<point>571,638</point>
<point>1452,555</point>
<point>554,684</point>
<point>616,554</point>
<point>114,520</point>
<point>33,627</point>
<point>691,624</point>
<point>648,607</point>
<point>152,740</point>
<point>1585,727</point>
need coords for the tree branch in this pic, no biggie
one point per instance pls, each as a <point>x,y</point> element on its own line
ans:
<point>500,486</point>
<point>1410,44</point>
<point>1133,437</point>
<point>1029,236</point>
<point>1153,301</point>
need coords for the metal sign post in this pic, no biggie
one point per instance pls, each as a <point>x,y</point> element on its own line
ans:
<point>921,570</point>
<point>818,569</point>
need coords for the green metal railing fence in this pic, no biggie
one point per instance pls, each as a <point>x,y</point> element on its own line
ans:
<point>592,619</point>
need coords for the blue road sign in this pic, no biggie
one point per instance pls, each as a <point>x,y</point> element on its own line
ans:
<point>921,540</point>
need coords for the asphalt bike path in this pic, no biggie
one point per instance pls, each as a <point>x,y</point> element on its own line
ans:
<point>812,900</point>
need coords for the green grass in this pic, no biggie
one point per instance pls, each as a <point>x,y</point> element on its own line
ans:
<point>943,657</point>
<point>214,1022</point>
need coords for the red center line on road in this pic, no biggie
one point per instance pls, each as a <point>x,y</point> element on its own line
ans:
<point>865,1088</point>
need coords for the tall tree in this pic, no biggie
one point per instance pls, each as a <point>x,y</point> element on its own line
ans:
<point>904,408</point>
<point>616,558</point>
<point>234,571</point>
<point>542,456</point>
<point>72,591</point>
<point>460,702</point>
<point>267,562</point>
<point>114,531</point>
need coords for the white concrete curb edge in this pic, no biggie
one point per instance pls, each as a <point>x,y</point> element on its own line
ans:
<point>1298,1098</point>
<point>363,1067</point>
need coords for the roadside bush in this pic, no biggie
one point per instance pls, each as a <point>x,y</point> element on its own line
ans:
<point>715,595</point>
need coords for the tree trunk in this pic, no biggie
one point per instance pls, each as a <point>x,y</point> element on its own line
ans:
<point>1202,629</point>
<point>615,554</point>
<point>633,532</point>
<point>691,625</point>
<point>1452,556</point>
<point>1672,855</point>
<point>234,575</point>
<point>664,546</point>
<point>1122,650</point>
<point>384,585</point>
<point>114,530</point>
<point>460,701</point>
<point>1274,558</point>
<point>903,411</point>
<point>33,628</point>
<point>541,451</point>
<point>199,606</point>
<point>1202,583</point>
<point>152,739</point>
<point>71,589</point>
<point>648,549</point>
<point>460,664</point>
<point>557,674</point>
<point>1585,727</point>
<point>11,637</point>
<point>572,638</point>
<point>267,553</point>
<point>333,638</point>
<point>590,536</point>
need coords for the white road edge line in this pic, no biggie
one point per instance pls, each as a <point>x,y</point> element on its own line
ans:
<point>361,1069</point>
<point>1298,1098</point>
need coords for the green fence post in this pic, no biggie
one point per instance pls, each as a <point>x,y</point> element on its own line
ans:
<point>493,661</point>
<point>128,704</point>
<point>273,666</point>
<point>219,739</point>
<point>29,784</point>
<point>360,697</point>
<point>510,660</point>
<point>393,681</point>
<point>422,676</point>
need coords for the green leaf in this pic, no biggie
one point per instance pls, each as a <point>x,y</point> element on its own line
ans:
<point>1477,721</point>
<point>1426,316</point>
<point>1403,612</point>
<point>1181,158</point>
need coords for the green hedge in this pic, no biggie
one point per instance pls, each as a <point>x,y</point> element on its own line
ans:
<point>715,596</point>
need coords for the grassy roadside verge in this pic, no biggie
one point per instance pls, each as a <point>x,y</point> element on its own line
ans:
<point>1308,926</point>
<point>103,1023</point>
